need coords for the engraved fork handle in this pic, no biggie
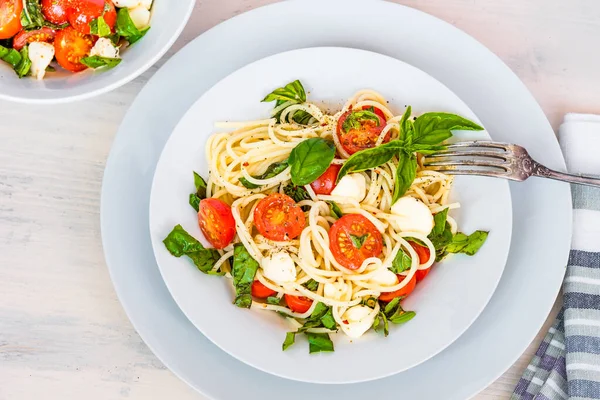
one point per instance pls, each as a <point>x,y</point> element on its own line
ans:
<point>544,172</point>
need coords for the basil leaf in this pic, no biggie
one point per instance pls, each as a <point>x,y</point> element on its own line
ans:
<point>32,17</point>
<point>319,342</point>
<point>355,119</point>
<point>290,338</point>
<point>406,125</point>
<point>136,38</point>
<point>405,174</point>
<point>336,211</point>
<point>386,327</point>
<point>439,220</point>
<point>403,317</point>
<point>274,301</point>
<point>24,65</point>
<point>298,193</point>
<point>11,56</point>
<point>293,91</point>
<point>126,28</point>
<point>376,323</point>
<point>426,148</point>
<point>328,321</point>
<point>435,127</point>
<point>200,193</point>
<point>468,245</point>
<point>99,27</point>
<point>370,302</point>
<point>358,241</point>
<point>243,272</point>
<point>319,311</point>
<point>272,171</point>
<point>441,234</point>
<point>311,285</point>
<point>310,159</point>
<point>391,307</point>
<point>180,243</point>
<point>370,158</point>
<point>302,117</point>
<point>98,62</point>
<point>402,262</point>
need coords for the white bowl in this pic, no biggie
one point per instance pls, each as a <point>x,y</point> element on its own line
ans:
<point>168,20</point>
<point>447,302</point>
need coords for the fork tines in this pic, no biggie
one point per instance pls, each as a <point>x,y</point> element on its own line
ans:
<point>472,158</point>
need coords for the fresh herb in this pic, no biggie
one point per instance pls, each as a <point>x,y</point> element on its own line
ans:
<point>292,93</point>
<point>403,317</point>
<point>405,174</point>
<point>311,285</point>
<point>32,17</point>
<point>310,159</point>
<point>468,245</point>
<point>243,272</point>
<point>319,342</point>
<point>272,171</point>
<point>441,234</point>
<point>290,338</point>
<point>328,321</point>
<point>298,193</point>
<point>274,301</point>
<point>180,243</point>
<point>24,65</point>
<point>200,193</point>
<point>378,326</point>
<point>11,56</point>
<point>370,302</point>
<point>99,62</point>
<point>402,262</point>
<point>98,26</point>
<point>336,211</point>
<point>126,28</point>
<point>370,158</point>
<point>355,119</point>
<point>393,313</point>
<point>358,241</point>
<point>435,127</point>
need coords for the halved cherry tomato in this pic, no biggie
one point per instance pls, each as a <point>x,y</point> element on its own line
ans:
<point>404,291</point>
<point>345,236</point>
<point>424,254</point>
<point>216,222</point>
<point>10,18</point>
<point>70,47</point>
<point>55,11</point>
<point>278,217</point>
<point>261,291</point>
<point>23,38</point>
<point>326,182</point>
<point>299,304</point>
<point>82,12</point>
<point>364,130</point>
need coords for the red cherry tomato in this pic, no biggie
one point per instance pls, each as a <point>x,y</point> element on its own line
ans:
<point>357,132</point>
<point>55,11</point>
<point>82,12</point>
<point>70,47</point>
<point>23,38</point>
<point>326,182</point>
<point>216,222</point>
<point>278,217</point>
<point>402,292</point>
<point>424,255</point>
<point>261,291</point>
<point>353,239</point>
<point>10,18</point>
<point>299,304</point>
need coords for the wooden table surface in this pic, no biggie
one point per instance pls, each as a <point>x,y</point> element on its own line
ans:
<point>63,333</point>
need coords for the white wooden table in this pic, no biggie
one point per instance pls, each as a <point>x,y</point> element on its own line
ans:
<point>63,333</point>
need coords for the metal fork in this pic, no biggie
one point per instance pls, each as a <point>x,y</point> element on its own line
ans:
<point>501,160</point>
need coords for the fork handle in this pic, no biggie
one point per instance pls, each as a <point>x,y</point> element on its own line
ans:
<point>542,171</point>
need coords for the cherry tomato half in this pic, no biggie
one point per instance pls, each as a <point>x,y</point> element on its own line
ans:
<point>55,11</point>
<point>216,222</point>
<point>358,131</point>
<point>299,304</point>
<point>326,182</point>
<point>70,47</point>
<point>404,291</point>
<point>424,254</point>
<point>261,291</point>
<point>353,239</point>
<point>82,12</point>
<point>10,18</point>
<point>278,217</point>
<point>23,38</point>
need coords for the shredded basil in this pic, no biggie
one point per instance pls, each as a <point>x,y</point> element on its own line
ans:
<point>243,272</point>
<point>24,64</point>
<point>32,17</point>
<point>99,62</point>
<point>310,159</point>
<point>126,28</point>
<point>358,241</point>
<point>200,193</point>
<point>272,171</point>
<point>336,211</point>
<point>405,174</point>
<point>292,93</point>
<point>11,56</point>
<point>298,193</point>
<point>180,243</point>
<point>311,285</point>
<point>290,338</point>
<point>99,27</point>
<point>319,342</point>
<point>441,234</point>
<point>394,313</point>
<point>273,300</point>
<point>355,119</point>
<point>402,262</point>
<point>468,245</point>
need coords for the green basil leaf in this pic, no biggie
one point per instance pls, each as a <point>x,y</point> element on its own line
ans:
<point>311,285</point>
<point>310,159</point>
<point>318,312</point>
<point>200,193</point>
<point>302,117</point>
<point>290,338</point>
<point>370,158</point>
<point>376,323</point>
<point>272,171</point>
<point>386,327</point>
<point>328,321</point>
<point>468,245</point>
<point>405,174</point>
<point>136,38</point>
<point>32,17</point>
<point>99,27</point>
<point>403,317</point>
<point>370,302</point>
<point>293,91</point>
<point>126,28</point>
<point>402,262</point>
<point>439,220</point>
<point>319,342</point>
<point>355,119</point>
<point>24,65</point>
<point>98,62</point>
<point>406,125</point>
<point>298,193</point>
<point>274,301</point>
<point>336,211</point>
<point>435,127</point>
<point>358,241</point>
<point>426,148</point>
<point>180,243</point>
<point>243,272</point>
<point>11,56</point>
<point>391,307</point>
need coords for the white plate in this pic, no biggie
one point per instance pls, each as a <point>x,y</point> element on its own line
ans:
<point>446,303</point>
<point>535,267</point>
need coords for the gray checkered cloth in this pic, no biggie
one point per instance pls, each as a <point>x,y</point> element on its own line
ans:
<point>567,363</point>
